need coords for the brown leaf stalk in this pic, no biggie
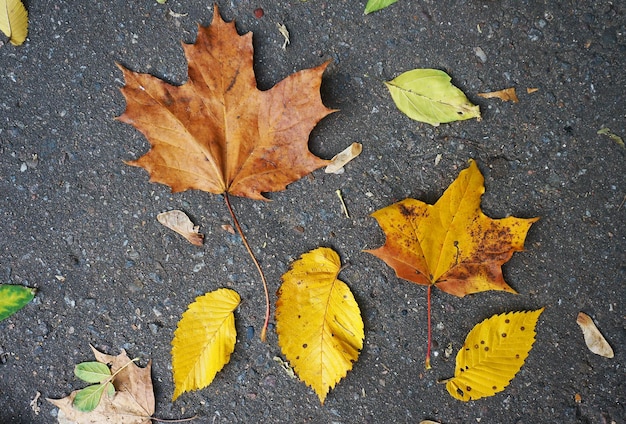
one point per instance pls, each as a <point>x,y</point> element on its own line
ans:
<point>256,263</point>
<point>427,362</point>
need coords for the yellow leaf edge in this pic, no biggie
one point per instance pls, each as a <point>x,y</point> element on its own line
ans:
<point>204,339</point>
<point>457,386</point>
<point>289,335</point>
<point>14,21</point>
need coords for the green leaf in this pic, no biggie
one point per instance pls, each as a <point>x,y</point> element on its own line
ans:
<point>87,399</point>
<point>92,372</point>
<point>375,5</point>
<point>13,298</point>
<point>426,95</point>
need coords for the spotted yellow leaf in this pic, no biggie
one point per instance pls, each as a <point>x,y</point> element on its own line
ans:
<point>493,352</point>
<point>204,340</point>
<point>319,324</point>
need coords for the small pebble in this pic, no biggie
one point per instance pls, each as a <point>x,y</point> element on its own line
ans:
<point>480,54</point>
<point>258,13</point>
<point>249,333</point>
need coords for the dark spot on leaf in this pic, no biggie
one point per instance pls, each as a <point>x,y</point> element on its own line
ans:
<point>475,346</point>
<point>305,346</point>
<point>462,370</point>
<point>406,212</point>
<point>466,349</point>
<point>503,334</point>
<point>517,356</point>
<point>482,342</point>
<point>507,320</point>
<point>486,348</point>
<point>460,392</point>
<point>494,388</point>
<point>522,328</point>
<point>297,357</point>
<point>468,388</point>
<point>466,367</point>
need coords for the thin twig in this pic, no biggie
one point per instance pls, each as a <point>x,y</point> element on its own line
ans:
<point>258,267</point>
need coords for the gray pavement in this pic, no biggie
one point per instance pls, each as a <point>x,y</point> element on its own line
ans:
<point>79,225</point>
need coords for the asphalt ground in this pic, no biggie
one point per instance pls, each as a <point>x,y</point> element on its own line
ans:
<point>79,225</point>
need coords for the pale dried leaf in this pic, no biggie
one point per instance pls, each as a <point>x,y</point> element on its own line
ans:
<point>593,338</point>
<point>285,33</point>
<point>341,159</point>
<point>507,95</point>
<point>178,221</point>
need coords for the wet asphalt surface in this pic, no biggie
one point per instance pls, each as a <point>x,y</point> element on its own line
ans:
<point>79,225</point>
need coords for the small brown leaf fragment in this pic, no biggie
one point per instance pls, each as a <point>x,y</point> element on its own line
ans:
<point>342,158</point>
<point>507,95</point>
<point>228,228</point>
<point>178,221</point>
<point>578,398</point>
<point>531,90</point>
<point>594,340</point>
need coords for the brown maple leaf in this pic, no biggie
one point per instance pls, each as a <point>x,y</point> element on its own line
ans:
<point>218,132</point>
<point>452,244</point>
<point>133,402</point>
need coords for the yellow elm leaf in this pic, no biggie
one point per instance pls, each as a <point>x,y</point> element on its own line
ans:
<point>13,21</point>
<point>493,352</point>
<point>319,324</point>
<point>204,340</point>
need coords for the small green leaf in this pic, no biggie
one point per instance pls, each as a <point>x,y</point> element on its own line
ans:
<point>426,95</point>
<point>87,399</point>
<point>610,134</point>
<point>92,372</point>
<point>375,5</point>
<point>13,298</point>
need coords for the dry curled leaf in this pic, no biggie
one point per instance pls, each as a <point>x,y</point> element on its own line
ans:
<point>506,95</point>
<point>342,158</point>
<point>179,221</point>
<point>132,403</point>
<point>594,340</point>
<point>218,132</point>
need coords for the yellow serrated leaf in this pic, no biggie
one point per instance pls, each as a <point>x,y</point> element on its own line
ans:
<point>204,340</point>
<point>319,324</point>
<point>493,352</point>
<point>13,21</point>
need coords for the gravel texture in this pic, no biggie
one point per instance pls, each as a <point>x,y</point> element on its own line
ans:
<point>80,225</point>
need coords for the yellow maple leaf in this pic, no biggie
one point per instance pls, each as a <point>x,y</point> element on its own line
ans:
<point>204,340</point>
<point>493,352</point>
<point>319,324</point>
<point>451,244</point>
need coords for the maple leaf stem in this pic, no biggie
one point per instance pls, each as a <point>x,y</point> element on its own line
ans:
<point>427,362</point>
<point>256,263</point>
